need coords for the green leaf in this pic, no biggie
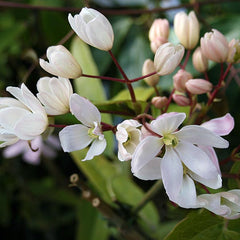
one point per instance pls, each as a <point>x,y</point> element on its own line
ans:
<point>176,108</point>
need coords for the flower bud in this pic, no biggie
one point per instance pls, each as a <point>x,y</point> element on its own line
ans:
<point>198,86</point>
<point>159,102</point>
<point>61,63</point>
<point>93,28</point>
<point>148,67</point>
<point>158,33</point>
<point>200,62</point>
<point>181,99</point>
<point>167,58</point>
<point>180,78</point>
<point>215,46</point>
<point>186,28</point>
<point>234,51</point>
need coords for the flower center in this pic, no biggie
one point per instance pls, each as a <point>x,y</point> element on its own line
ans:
<point>128,140</point>
<point>170,140</point>
<point>91,133</point>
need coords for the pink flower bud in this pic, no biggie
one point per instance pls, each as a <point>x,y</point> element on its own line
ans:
<point>186,28</point>
<point>181,99</point>
<point>158,33</point>
<point>198,86</point>
<point>148,67</point>
<point>215,46</point>
<point>180,78</point>
<point>200,62</point>
<point>159,102</point>
<point>234,51</point>
<point>167,58</point>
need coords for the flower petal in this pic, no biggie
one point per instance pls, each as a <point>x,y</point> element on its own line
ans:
<point>167,123</point>
<point>97,148</point>
<point>202,136</point>
<point>150,171</point>
<point>196,160</point>
<point>84,110</point>
<point>74,137</point>
<point>146,150</point>
<point>220,126</point>
<point>172,173</point>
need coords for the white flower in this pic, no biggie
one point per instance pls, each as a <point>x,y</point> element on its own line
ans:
<point>79,136</point>
<point>128,137</point>
<point>225,204</point>
<point>181,162</point>
<point>61,63</point>
<point>93,28</point>
<point>54,93</point>
<point>39,147</point>
<point>24,118</point>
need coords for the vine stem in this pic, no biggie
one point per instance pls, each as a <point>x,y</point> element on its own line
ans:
<point>186,59</point>
<point>148,196</point>
<point>128,82</point>
<point>169,100</point>
<point>104,78</point>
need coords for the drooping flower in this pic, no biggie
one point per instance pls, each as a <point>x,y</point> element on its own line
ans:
<point>199,61</point>
<point>148,67</point>
<point>24,118</point>
<point>225,204</point>
<point>61,63</point>
<point>198,86</point>
<point>128,136</point>
<point>39,147</point>
<point>93,28</point>
<point>79,136</point>
<point>54,94</point>
<point>182,160</point>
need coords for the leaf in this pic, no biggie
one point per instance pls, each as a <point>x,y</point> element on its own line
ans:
<point>234,183</point>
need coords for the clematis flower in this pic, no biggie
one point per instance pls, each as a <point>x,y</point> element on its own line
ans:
<point>39,147</point>
<point>128,136</point>
<point>79,136</point>
<point>225,204</point>
<point>182,160</point>
<point>61,63</point>
<point>93,28</point>
<point>54,94</point>
<point>24,118</point>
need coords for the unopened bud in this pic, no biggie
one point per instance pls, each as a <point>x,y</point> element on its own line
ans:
<point>167,58</point>
<point>215,46</point>
<point>186,27</point>
<point>181,99</point>
<point>148,67</point>
<point>198,86</point>
<point>180,78</point>
<point>158,33</point>
<point>200,62</point>
<point>234,51</point>
<point>159,102</point>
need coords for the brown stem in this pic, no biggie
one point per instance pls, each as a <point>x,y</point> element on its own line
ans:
<point>104,78</point>
<point>169,101</point>
<point>142,77</point>
<point>186,59</point>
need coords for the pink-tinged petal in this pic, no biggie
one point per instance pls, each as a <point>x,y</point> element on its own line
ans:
<point>32,157</point>
<point>96,148</point>
<point>199,135</point>
<point>212,155</point>
<point>74,137</point>
<point>146,150</point>
<point>84,110</point>
<point>167,123</point>
<point>213,183</point>
<point>15,149</point>
<point>172,173</point>
<point>187,196</point>
<point>196,160</point>
<point>221,126</point>
<point>150,171</point>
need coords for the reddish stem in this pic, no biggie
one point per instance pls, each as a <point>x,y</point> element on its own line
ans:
<point>142,77</point>
<point>206,76</point>
<point>57,125</point>
<point>169,101</point>
<point>107,127</point>
<point>186,59</point>
<point>105,78</point>
<point>156,91</point>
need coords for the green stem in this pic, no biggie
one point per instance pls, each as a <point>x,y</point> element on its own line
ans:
<point>148,196</point>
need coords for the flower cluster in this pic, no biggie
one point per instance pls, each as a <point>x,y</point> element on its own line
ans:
<point>157,145</point>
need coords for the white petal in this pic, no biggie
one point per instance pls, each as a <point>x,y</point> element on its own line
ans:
<point>10,102</point>
<point>167,123</point>
<point>202,136</point>
<point>150,171</point>
<point>96,148</point>
<point>146,150</point>
<point>220,126</point>
<point>74,137</point>
<point>84,110</point>
<point>172,173</point>
<point>196,160</point>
